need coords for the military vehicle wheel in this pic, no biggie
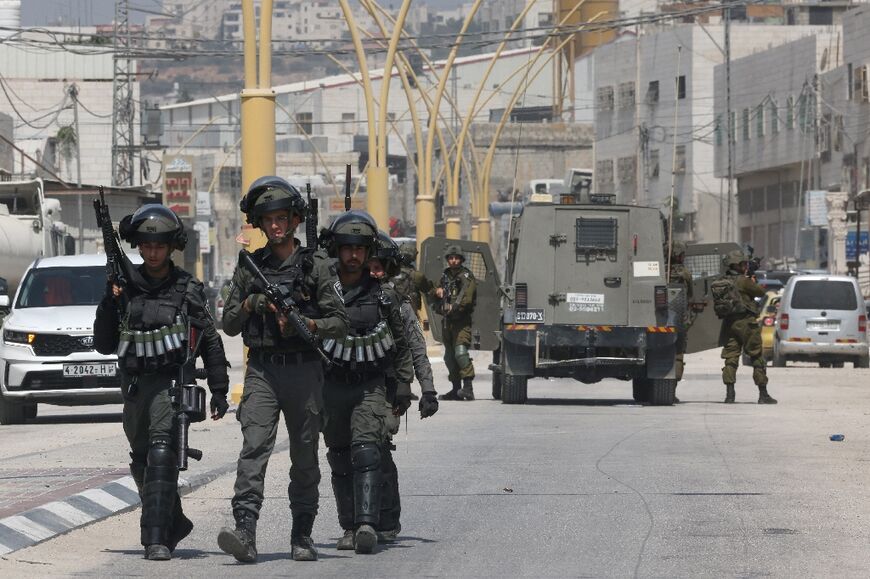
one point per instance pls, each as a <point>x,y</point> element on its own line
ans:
<point>662,391</point>
<point>11,413</point>
<point>515,389</point>
<point>862,362</point>
<point>496,374</point>
<point>30,411</point>
<point>640,390</point>
<point>778,359</point>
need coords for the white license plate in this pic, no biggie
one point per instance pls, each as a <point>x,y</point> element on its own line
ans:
<point>80,370</point>
<point>824,326</point>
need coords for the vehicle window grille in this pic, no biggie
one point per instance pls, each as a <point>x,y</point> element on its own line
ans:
<point>703,265</point>
<point>595,235</point>
<point>474,262</point>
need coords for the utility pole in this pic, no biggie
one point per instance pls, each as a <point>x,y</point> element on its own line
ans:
<point>73,92</point>
<point>123,112</point>
<point>729,228</point>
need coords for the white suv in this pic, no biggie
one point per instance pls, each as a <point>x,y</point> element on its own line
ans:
<point>47,349</point>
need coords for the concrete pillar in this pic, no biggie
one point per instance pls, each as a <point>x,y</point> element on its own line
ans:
<point>837,201</point>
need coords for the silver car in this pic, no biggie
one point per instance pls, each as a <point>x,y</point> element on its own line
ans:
<point>821,319</point>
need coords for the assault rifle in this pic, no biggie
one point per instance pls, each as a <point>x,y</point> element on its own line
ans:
<point>280,297</point>
<point>311,219</point>
<point>448,286</point>
<point>188,398</point>
<point>118,265</point>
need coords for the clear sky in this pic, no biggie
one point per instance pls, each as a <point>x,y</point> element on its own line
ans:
<point>86,12</point>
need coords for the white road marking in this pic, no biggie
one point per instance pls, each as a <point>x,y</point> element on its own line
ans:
<point>104,499</point>
<point>27,528</point>
<point>68,513</point>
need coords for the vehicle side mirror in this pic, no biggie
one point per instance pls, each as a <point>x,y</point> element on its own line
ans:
<point>4,301</point>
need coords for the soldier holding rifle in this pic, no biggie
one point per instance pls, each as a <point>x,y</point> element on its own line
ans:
<point>281,313</point>
<point>146,317</point>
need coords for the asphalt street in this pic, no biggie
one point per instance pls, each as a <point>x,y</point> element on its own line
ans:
<point>579,482</point>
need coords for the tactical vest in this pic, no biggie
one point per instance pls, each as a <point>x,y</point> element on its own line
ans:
<point>404,285</point>
<point>261,331</point>
<point>368,346</point>
<point>154,329</point>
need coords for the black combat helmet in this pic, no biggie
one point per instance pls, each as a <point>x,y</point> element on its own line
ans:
<point>454,250</point>
<point>387,249</point>
<point>271,193</point>
<point>355,227</point>
<point>408,253</point>
<point>153,223</point>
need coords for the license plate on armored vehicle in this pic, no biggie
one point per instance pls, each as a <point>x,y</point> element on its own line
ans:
<point>79,370</point>
<point>529,317</point>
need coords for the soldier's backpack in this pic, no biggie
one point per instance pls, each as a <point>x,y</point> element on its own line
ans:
<point>726,298</point>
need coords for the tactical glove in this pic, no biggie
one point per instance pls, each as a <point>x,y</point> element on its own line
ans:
<point>401,405</point>
<point>257,303</point>
<point>428,404</point>
<point>218,404</point>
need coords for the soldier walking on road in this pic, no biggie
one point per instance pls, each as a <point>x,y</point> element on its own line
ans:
<point>158,299</point>
<point>679,274</point>
<point>457,294</point>
<point>386,262</point>
<point>733,301</point>
<point>284,374</point>
<point>356,411</point>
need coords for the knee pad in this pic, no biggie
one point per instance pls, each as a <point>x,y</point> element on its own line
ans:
<point>161,453</point>
<point>365,457</point>
<point>460,352</point>
<point>339,461</point>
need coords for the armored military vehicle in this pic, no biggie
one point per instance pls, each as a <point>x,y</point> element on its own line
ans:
<point>586,297</point>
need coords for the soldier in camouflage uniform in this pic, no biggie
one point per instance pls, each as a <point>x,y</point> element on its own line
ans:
<point>409,281</point>
<point>457,296</point>
<point>284,373</point>
<point>741,332</point>
<point>386,262</point>
<point>679,274</point>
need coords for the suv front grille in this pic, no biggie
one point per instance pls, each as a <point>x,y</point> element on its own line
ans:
<point>55,380</point>
<point>61,344</point>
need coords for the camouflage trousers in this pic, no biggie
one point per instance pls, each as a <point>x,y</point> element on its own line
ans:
<point>742,335</point>
<point>457,334</point>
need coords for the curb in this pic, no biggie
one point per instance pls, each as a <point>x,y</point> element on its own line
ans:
<point>87,507</point>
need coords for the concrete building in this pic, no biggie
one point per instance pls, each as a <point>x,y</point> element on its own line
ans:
<point>499,15</point>
<point>321,126</point>
<point>35,92</point>
<point>185,21</point>
<point>773,134</point>
<point>655,120</point>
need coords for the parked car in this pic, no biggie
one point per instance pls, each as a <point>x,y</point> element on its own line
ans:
<point>822,319</point>
<point>47,351</point>
<point>767,321</point>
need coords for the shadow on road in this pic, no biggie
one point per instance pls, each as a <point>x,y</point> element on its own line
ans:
<point>581,402</point>
<point>77,418</point>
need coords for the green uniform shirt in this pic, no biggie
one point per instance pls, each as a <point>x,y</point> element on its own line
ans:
<point>321,282</point>
<point>462,292</point>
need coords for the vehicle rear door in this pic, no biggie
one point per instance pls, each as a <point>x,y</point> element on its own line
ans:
<point>590,266</point>
<point>704,260</point>
<point>824,311</point>
<point>478,259</point>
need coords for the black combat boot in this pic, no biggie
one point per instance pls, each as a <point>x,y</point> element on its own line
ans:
<point>453,394</point>
<point>157,553</point>
<point>467,392</point>
<point>181,526</point>
<point>240,542</point>
<point>764,397</point>
<point>302,547</point>
<point>729,393</point>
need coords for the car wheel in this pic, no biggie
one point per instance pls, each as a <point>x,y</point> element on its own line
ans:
<point>837,364</point>
<point>496,375</point>
<point>30,411</point>
<point>862,362</point>
<point>515,389</point>
<point>778,359</point>
<point>640,390</point>
<point>11,413</point>
<point>824,364</point>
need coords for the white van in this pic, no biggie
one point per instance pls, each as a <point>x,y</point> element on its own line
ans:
<point>821,319</point>
<point>47,350</point>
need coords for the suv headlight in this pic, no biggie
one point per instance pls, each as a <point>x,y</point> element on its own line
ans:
<point>13,337</point>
